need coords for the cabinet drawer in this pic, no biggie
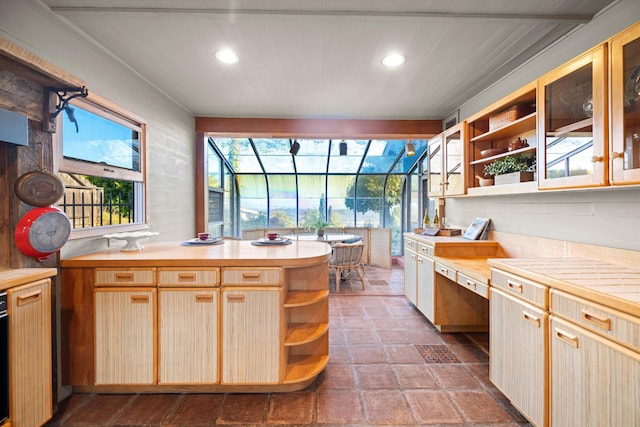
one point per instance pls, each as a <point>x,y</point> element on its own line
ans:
<point>188,277</point>
<point>446,271</point>
<point>125,277</point>
<point>410,244</point>
<point>533,292</point>
<point>251,276</point>
<point>425,249</point>
<point>473,285</point>
<point>617,326</point>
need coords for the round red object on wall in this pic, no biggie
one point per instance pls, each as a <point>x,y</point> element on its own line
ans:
<point>42,231</point>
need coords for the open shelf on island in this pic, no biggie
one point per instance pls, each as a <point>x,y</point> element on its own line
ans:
<point>302,333</point>
<point>302,298</point>
<point>302,367</point>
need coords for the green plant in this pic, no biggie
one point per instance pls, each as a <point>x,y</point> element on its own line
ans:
<point>320,224</point>
<point>509,164</point>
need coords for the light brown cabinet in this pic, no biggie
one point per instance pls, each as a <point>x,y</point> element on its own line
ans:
<point>572,123</point>
<point>251,338</point>
<point>447,162</point>
<point>594,382</point>
<point>518,348</point>
<point>30,356</point>
<point>492,133</point>
<point>185,324</point>
<point>125,343</point>
<point>625,107</point>
<point>188,335</point>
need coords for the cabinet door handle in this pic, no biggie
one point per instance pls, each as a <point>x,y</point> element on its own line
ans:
<point>572,340</point>
<point>250,276</point>
<point>235,298</point>
<point>617,155</point>
<point>187,277</point>
<point>471,284</point>
<point>124,277</point>
<point>139,299</point>
<point>534,320</point>
<point>413,256</point>
<point>515,286</point>
<point>597,159</point>
<point>204,298</point>
<point>420,261</point>
<point>600,321</point>
<point>29,298</point>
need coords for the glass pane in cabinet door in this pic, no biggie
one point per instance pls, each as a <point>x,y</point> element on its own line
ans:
<point>569,125</point>
<point>435,165</point>
<point>454,181</point>
<point>631,58</point>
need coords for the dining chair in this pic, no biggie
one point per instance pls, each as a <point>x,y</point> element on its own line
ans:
<point>346,257</point>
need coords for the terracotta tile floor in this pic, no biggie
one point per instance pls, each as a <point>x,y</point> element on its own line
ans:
<point>388,366</point>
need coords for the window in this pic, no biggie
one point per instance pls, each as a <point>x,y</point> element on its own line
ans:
<point>100,155</point>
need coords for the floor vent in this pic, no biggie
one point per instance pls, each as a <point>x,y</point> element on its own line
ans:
<point>437,354</point>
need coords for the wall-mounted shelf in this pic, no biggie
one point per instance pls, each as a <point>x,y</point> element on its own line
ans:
<point>508,153</point>
<point>521,125</point>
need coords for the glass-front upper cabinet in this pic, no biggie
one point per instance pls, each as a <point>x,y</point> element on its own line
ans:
<point>436,177</point>
<point>625,107</point>
<point>454,178</point>
<point>446,162</point>
<point>572,108</point>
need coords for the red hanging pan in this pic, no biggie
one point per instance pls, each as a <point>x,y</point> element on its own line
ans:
<point>42,231</point>
<point>39,188</point>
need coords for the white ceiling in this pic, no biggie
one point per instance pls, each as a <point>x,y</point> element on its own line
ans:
<point>322,58</point>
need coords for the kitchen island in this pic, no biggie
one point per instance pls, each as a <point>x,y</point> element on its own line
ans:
<point>230,317</point>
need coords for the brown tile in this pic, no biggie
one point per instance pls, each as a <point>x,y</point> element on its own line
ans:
<point>414,376</point>
<point>337,337</point>
<point>372,301</point>
<point>147,409</point>
<point>243,409</point>
<point>195,410</point>
<point>469,353</point>
<point>338,407</point>
<point>412,322</point>
<point>454,376</point>
<point>456,338</point>
<point>402,311</point>
<point>386,407</point>
<point>356,323</point>
<point>336,376</point>
<point>423,336</point>
<point>361,336</point>
<point>352,312</point>
<point>479,406</point>
<point>382,323</point>
<point>99,410</point>
<point>335,324</point>
<point>392,336</point>
<point>291,408</point>
<point>367,354</point>
<point>432,407</point>
<point>67,406</point>
<point>339,354</point>
<point>403,354</point>
<point>481,371</point>
<point>375,376</point>
<point>377,311</point>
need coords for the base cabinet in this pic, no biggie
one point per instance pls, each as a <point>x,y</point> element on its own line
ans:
<point>30,370</point>
<point>188,336</point>
<point>594,382</point>
<point>125,339</point>
<point>410,271</point>
<point>251,338</point>
<point>518,348</point>
<point>425,292</point>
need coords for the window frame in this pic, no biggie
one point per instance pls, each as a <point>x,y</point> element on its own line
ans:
<point>110,111</point>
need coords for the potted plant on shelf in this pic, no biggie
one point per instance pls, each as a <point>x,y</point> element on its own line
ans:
<point>511,169</point>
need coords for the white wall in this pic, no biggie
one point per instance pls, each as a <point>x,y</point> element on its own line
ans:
<point>171,134</point>
<point>607,217</point>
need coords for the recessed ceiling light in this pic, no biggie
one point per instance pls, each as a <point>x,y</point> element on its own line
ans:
<point>393,60</point>
<point>227,56</point>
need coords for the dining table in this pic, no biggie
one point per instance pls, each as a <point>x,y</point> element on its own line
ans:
<point>330,238</point>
